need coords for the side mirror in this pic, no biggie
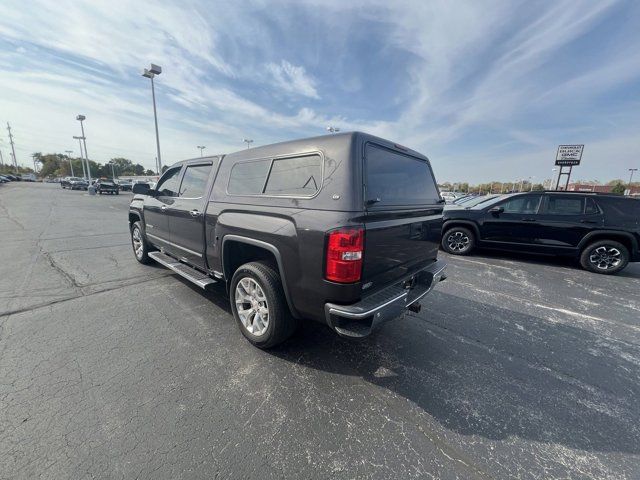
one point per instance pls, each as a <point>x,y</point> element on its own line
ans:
<point>496,210</point>
<point>141,188</point>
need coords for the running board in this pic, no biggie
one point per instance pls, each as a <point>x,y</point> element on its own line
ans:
<point>201,279</point>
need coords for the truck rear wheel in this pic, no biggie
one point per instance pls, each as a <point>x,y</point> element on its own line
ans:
<point>259,305</point>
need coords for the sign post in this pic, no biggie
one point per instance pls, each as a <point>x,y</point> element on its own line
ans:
<point>567,156</point>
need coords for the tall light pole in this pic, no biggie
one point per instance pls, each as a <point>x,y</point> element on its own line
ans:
<point>113,173</point>
<point>531,183</point>
<point>84,170</point>
<point>201,147</point>
<point>631,170</point>
<point>149,73</point>
<point>248,141</point>
<point>13,149</point>
<point>332,129</point>
<point>69,152</point>
<point>82,118</point>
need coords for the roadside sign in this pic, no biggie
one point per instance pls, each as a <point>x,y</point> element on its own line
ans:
<point>569,155</point>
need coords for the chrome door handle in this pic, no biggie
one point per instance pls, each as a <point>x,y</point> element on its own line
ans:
<point>194,213</point>
<point>163,208</point>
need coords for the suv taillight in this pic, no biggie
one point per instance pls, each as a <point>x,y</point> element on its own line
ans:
<point>344,255</point>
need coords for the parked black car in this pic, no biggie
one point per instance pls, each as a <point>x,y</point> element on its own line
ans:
<point>106,186</point>
<point>74,183</point>
<point>125,185</point>
<point>341,229</point>
<point>602,231</point>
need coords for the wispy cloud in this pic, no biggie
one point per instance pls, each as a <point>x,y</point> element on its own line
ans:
<point>478,86</point>
<point>292,79</point>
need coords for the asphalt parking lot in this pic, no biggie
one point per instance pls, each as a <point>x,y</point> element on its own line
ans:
<point>516,367</point>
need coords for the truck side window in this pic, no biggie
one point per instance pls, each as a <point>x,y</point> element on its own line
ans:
<point>247,178</point>
<point>168,185</point>
<point>295,176</point>
<point>194,181</point>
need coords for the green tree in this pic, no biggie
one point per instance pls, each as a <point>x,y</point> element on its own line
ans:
<point>618,188</point>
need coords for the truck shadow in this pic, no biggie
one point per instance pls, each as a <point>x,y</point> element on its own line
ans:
<point>487,371</point>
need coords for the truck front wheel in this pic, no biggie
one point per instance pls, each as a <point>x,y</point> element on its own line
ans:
<point>259,305</point>
<point>139,243</point>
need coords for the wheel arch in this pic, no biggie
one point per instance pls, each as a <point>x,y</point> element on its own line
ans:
<point>134,216</point>
<point>448,224</point>
<point>624,238</point>
<point>234,254</point>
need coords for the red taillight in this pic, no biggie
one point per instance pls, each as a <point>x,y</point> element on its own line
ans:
<point>344,255</point>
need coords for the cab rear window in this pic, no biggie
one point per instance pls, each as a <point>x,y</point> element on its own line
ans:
<point>396,179</point>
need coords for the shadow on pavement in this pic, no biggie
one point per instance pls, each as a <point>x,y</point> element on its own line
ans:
<point>491,372</point>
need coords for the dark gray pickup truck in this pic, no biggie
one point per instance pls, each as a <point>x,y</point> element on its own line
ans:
<point>342,229</point>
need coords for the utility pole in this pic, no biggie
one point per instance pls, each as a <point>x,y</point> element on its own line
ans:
<point>69,152</point>
<point>13,148</point>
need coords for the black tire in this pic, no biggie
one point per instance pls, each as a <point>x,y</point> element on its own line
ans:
<point>605,257</point>
<point>458,241</point>
<point>117,193</point>
<point>143,255</point>
<point>281,324</point>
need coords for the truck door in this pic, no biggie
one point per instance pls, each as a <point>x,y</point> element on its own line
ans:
<point>156,206</point>
<point>186,215</point>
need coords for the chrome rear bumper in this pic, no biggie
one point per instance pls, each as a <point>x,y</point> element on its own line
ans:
<point>361,318</point>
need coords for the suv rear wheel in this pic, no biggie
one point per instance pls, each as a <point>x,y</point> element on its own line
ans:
<point>458,241</point>
<point>259,305</point>
<point>604,256</point>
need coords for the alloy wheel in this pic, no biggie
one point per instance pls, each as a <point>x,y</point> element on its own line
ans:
<point>252,306</point>
<point>458,241</point>
<point>138,246</point>
<point>605,257</point>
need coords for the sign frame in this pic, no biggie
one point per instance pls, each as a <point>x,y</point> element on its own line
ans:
<point>569,155</point>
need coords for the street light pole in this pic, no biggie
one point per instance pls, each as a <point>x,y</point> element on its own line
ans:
<point>13,149</point>
<point>113,173</point>
<point>149,73</point>
<point>201,147</point>
<point>81,118</point>
<point>632,170</point>
<point>332,129</point>
<point>84,170</point>
<point>247,141</point>
<point>69,152</point>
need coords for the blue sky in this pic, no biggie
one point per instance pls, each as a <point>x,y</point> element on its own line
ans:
<point>487,90</point>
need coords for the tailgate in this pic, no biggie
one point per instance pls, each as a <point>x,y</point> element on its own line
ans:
<point>399,244</point>
<point>404,215</point>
